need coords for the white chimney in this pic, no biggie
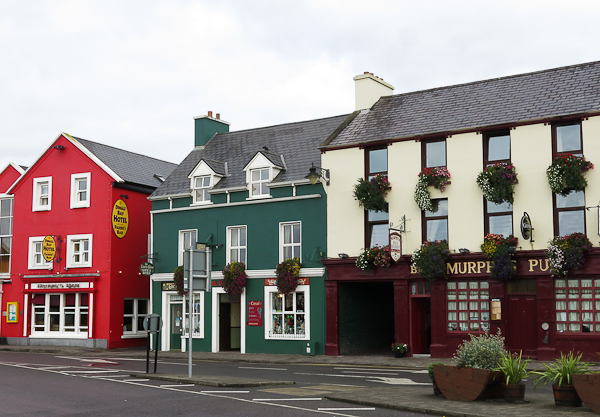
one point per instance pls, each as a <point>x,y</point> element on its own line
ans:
<point>369,88</point>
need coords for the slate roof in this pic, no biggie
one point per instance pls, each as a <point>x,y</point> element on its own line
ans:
<point>508,100</point>
<point>131,167</point>
<point>297,142</point>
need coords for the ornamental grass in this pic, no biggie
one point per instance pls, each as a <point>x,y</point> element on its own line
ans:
<point>498,182</point>
<point>567,253</point>
<point>566,173</point>
<point>234,278</point>
<point>371,194</point>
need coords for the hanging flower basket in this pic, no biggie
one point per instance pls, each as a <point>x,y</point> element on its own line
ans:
<point>498,183</point>
<point>430,259</point>
<point>287,275</point>
<point>567,253</point>
<point>566,173</point>
<point>234,278</point>
<point>438,178</point>
<point>178,279</point>
<point>375,256</point>
<point>498,250</point>
<point>371,194</point>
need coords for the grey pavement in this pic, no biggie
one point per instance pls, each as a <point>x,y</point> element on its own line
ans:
<point>416,398</point>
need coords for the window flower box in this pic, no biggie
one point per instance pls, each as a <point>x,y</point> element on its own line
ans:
<point>375,256</point>
<point>498,250</point>
<point>438,177</point>
<point>567,253</point>
<point>430,259</point>
<point>371,194</point>
<point>566,173</point>
<point>287,275</point>
<point>498,182</point>
<point>234,278</point>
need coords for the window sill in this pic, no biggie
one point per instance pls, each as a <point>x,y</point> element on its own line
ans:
<point>80,207</point>
<point>259,197</point>
<point>41,209</point>
<point>59,335</point>
<point>288,337</point>
<point>201,203</point>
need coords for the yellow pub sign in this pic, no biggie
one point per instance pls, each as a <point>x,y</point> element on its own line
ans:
<point>49,248</point>
<point>485,267</point>
<point>120,218</point>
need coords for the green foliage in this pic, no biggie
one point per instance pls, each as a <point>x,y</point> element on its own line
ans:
<point>430,259</point>
<point>399,347</point>
<point>560,371</point>
<point>481,352</point>
<point>234,278</point>
<point>566,173</point>
<point>287,275</point>
<point>178,279</point>
<point>375,256</point>
<point>498,249</point>
<point>430,370</point>
<point>438,178</point>
<point>371,194</point>
<point>513,368</point>
<point>498,182</point>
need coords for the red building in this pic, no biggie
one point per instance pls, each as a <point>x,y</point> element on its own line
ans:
<point>81,226</point>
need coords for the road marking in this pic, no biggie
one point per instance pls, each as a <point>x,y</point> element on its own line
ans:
<point>369,378</point>
<point>371,373</point>
<point>88,360</point>
<point>176,385</point>
<point>47,368</point>
<point>136,380</point>
<point>102,371</point>
<point>286,399</point>
<point>262,369</point>
<point>369,369</point>
<point>347,409</point>
<point>110,376</point>
<point>225,392</point>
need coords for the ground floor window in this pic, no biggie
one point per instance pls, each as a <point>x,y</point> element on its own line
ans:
<point>468,306</point>
<point>197,316</point>
<point>135,311</point>
<point>577,305</point>
<point>287,315</point>
<point>60,314</point>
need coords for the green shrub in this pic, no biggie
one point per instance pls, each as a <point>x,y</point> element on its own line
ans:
<point>481,352</point>
<point>513,368</point>
<point>430,369</point>
<point>560,371</point>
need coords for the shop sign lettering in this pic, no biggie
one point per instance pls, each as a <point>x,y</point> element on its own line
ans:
<point>49,248</point>
<point>120,218</point>
<point>273,281</point>
<point>59,285</point>
<point>255,313</point>
<point>169,286</point>
<point>484,267</point>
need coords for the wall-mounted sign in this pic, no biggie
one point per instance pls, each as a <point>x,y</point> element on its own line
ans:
<point>273,281</point>
<point>526,228</point>
<point>120,218</point>
<point>169,286</point>
<point>146,268</point>
<point>49,248</point>
<point>395,246</point>
<point>255,313</point>
<point>13,309</point>
<point>59,285</point>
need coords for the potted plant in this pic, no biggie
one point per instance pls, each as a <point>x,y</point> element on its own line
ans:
<point>399,349</point>
<point>436,390</point>
<point>371,194</point>
<point>287,275</point>
<point>498,250</point>
<point>438,177</point>
<point>565,174</point>
<point>560,373</point>
<point>567,253</point>
<point>498,182</point>
<point>375,256</point>
<point>473,375</point>
<point>178,280</point>
<point>234,278</point>
<point>514,370</point>
<point>430,259</point>
<point>588,389</point>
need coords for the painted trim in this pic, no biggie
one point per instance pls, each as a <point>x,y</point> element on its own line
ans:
<point>214,344</point>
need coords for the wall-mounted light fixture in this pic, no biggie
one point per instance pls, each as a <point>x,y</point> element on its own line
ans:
<point>314,173</point>
<point>59,147</point>
<point>343,255</point>
<point>125,196</point>
<point>464,250</point>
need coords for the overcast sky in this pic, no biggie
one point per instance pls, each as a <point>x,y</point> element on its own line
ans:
<point>133,74</point>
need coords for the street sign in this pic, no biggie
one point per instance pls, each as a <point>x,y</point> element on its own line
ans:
<point>196,267</point>
<point>153,323</point>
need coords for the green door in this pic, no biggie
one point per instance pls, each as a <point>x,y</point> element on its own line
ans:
<point>176,322</point>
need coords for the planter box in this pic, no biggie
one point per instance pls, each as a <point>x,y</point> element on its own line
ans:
<point>566,396</point>
<point>467,384</point>
<point>588,388</point>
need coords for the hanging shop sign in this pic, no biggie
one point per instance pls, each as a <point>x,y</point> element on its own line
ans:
<point>395,246</point>
<point>526,228</point>
<point>49,248</point>
<point>120,218</point>
<point>255,313</point>
<point>146,268</point>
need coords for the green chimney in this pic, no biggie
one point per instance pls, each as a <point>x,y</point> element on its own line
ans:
<point>205,128</point>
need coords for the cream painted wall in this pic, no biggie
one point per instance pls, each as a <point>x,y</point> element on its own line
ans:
<point>345,218</point>
<point>531,153</point>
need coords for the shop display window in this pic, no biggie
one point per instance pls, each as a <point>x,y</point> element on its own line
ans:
<point>60,315</point>
<point>288,314</point>
<point>197,322</point>
<point>468,306</point>
<point>135,311</point>
<point>577,302</point>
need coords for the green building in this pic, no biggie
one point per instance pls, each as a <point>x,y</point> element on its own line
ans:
<point>245,194</point>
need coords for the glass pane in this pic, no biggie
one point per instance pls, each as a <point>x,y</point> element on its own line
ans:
<point>128,324</point>
<point>276,300</point>
<point>380,235</point>
<point>435,154</point>
<point>128,307</point>
<point>287,233</point>
<point>574,199</point>
<point>5,207</point>
<point>442,209</point>
<point>234,237</point>
<point>289,302</point>
<point>5,226</point>
<point>300,302</point>
<point>499,148</point>
<point>82,184</point>
<point>437,229</point>
<point>263,188</point>
<point>498,208</point>
<point>571,222</point>
<point>5,244</point>
<point>264,174</point>
<point>255,175</point>
<point>376,216</point>
<point>242,236</point>
<point>4,264</point>
<point>296,233</point>
<point>378,160</point>
<point>142,306</point>
<point>206,181</point>
<point>501,225</point>
<point>568,138</point>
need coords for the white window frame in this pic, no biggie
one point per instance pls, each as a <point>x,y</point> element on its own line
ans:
<point>206,197</point>
<point>238,248</point>
<point>37,194</point>
<point>79,331</point>
<point>283,245</point>
<point>71,242</point>
<point>260,182</point>
<point>135,316</point>
<point>198,315</point>
<point>181,244</point>
<point>76,202</point>
<point>35,242</point>
<point>268,315</point>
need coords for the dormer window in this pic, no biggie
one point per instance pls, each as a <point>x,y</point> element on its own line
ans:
<point>201,187</point>
<point>259,178</point>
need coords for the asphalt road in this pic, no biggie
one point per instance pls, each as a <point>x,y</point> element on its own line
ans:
<point>51,385</point>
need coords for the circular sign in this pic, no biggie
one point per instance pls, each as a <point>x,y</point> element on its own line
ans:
<point>146,268</point>
<point>545,326</point>
<point>49,248</point>
<point>526,226</point>
<point>120,218</point>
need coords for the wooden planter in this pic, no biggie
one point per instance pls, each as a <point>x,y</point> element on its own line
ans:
<point>467,384</point>
<point>566,396</point>
<point>588,389</point>
<point>513,392</point>
<point>398,354</point>
<point>436,390</point>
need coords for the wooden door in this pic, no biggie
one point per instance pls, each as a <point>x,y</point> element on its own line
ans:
<point>420,329</point>
<point>521,319</point>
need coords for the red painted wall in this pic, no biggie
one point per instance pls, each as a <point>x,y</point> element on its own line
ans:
<point>116,260</point>
<point>7,178</point>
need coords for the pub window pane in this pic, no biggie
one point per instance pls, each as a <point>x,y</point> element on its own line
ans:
<point>571,222</point>
<point>573,199</point>
<point>568,138</point>
<point>378,160</point>
<point>501,225</point>
<point>499,148</point>
<point>435,154</point>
